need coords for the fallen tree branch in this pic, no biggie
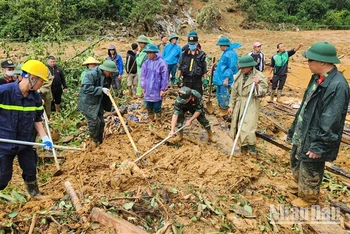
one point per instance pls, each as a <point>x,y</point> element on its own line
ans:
<point>32,225</point>
<point>343,207</point>
<point>329,166</point>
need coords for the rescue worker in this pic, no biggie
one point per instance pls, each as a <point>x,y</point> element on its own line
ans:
<point>247,76</point>
<point>279,68</point>
<point>224,72</point>
<point>189,100</point>
<point>91,98</point>
<point>171,55</point>
<point>141,57</point>
<point>193,66</point>
<point>117,77</point>
<point>194,35</point>
<point>58,82</point>
<point>8,70</point>
<point>317,129</point>
<point>154,82</point>
<point>89,63</point>
<point>21,109</point>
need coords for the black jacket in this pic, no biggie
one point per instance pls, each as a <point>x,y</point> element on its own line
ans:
<point>323,118</point>
<point>197,68</point>
<point>59,79</point>
<point>130,64</point>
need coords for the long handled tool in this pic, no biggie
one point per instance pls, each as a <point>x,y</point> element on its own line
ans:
<point>58,169</point>
<point>157,145</point>
<point>37,144</point>
<point>123,123</point>
<point>210,107</point>
<point>242,120</point>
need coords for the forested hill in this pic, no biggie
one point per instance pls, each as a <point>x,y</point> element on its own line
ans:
<point>24,19</point>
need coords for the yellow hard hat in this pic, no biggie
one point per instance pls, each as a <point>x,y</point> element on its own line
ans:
<point>90,60</point>
<point>36,68</point>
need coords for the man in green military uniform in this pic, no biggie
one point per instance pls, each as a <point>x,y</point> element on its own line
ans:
<point>189,100</point>
<point>93,87</point>
<point>318,125</point>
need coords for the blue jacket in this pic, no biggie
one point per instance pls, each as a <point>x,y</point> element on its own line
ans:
<point>227,66</point>
<point>172,53</point>
<point>119,61</point>
<point>117,58</point>
<point>18,114</point>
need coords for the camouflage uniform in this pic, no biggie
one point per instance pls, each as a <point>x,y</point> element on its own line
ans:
<point>194,105</point>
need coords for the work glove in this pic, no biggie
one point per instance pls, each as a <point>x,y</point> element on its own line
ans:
<point>105,91</point>
<point>47,143</point>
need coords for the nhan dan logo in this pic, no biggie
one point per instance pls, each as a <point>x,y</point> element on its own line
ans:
<point>308,215</point>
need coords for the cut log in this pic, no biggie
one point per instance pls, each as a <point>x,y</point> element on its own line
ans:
<point>337,170</point>
<point>121,226</point>
<point>273,140</point>
<point>75,200</point>
<point>327,229</point>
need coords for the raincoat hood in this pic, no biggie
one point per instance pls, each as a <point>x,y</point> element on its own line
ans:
<point>112,47</point>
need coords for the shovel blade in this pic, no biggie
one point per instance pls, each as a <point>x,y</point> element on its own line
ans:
<point>58,173</point>
<point>210,108</point>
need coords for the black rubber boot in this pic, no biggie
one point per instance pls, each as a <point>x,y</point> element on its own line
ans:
<point>33,189</point>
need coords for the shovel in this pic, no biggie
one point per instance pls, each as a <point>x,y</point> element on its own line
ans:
<point>210,107</point>
<point>58,171</point>
<point>242,120</point>
<point>157,145</point>
<point>123,123</point>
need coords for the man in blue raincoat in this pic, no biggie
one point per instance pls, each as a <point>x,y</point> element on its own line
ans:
<point>225,70</point>
<point>171,55</point>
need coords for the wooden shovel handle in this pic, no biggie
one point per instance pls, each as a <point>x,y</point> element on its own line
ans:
<point>123,123</point>
<point>211,78</point>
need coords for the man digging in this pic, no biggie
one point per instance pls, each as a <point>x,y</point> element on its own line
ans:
<point>189,100</point>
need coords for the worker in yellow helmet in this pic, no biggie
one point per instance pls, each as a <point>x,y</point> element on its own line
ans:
<point>21,110</point>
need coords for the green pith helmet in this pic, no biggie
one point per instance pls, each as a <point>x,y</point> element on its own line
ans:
<point>172,36</point>
<point>150,48</point>
<point>322,52</point>
<point>18,69</point>
<point>246,61</point>
<point>223,41</point>
<point>109,66</point>
<point>184,94</point>
<point>142,39</point>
